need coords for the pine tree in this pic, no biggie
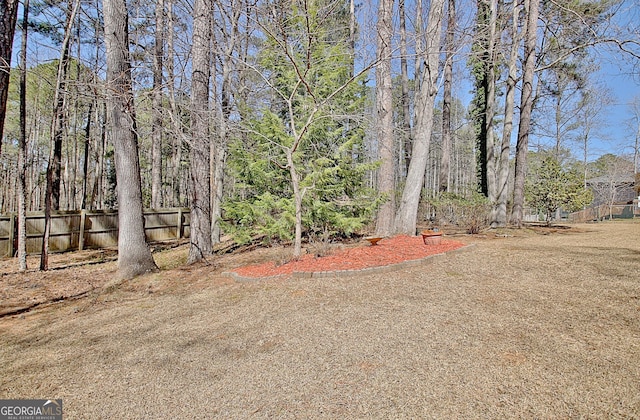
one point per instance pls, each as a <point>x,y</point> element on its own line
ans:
<point>301,166</point>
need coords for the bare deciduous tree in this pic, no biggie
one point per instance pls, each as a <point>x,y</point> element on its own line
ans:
<point>499,210</point>
<point>526,107</point>
<point>407,215</point>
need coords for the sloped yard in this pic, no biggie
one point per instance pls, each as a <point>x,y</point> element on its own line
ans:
<point>528,323</point>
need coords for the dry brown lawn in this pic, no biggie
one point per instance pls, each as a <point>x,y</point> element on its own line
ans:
<point>531,323</point>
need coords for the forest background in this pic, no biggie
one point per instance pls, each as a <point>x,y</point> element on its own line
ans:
<point>284,120</point>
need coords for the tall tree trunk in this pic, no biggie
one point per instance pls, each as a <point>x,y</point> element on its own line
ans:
<point>54,167</point>
<point>85,161</point>
<point>176,185</point>
<point>157,129</point>
<point>406,218</point>
<point>480,72</point>
<point>490,98</point>
<point>134,256</point>
<point>384,118</point>
<point>89,199</point>
<point>297,199</point>
<point>352,33</point>
<point>445,162</point>
<point>585,155</point>
<point>526,107</point>
<point>8,17</point>
<point>71,167</point>
<point>219,151</point>
<point>200,143</point>
<point>97,195</point>
<point>636,149</point>
<point>486,81</point>
<point>218,157</point>
<point>22,147</point>
<point>499,212</point>
<point>78,116</point>
<point>404,77</point>
<point>217,191</point>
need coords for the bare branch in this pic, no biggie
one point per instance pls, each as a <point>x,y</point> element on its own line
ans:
<point>623,45</point>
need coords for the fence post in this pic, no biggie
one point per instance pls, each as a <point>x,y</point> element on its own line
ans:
<point>83,217</point>
<point>12,235</point>
<point>179,226</point>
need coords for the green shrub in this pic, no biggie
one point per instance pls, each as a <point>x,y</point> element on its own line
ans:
<point>551,187</point>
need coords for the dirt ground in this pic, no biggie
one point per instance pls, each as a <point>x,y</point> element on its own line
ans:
<point>531,323</point>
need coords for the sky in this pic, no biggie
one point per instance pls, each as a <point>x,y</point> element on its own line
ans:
<point>618,77</point>
<point>624,86</point>
<point>621,79</point>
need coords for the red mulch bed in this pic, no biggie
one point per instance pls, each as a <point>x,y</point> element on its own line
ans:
<point>388,251</point>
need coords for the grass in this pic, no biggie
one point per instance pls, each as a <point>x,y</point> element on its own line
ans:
<point>527,325</point>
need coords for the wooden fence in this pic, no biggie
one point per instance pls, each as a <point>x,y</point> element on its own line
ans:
<point>604,212</point>
<point>87,229</point>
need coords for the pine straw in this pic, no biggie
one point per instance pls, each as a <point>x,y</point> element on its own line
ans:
<point>534,326</point>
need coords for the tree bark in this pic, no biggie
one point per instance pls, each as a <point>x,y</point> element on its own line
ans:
<point>157,127</point>
<point>384,118</point>
<point>406,218</point>
<point>200,143</point>
<point>526,106</point>
<point>404,77</point>
<point>22,147</point>
<point>8,17</point>
<point>499,212</point>
<point>297,198</point>
<point>220,157</point>
<point>490,98</point>
<point>176,125</point>
<point>445,161</point>
<point>134,256</point>
<point>352,33</point>
<point>97,195</point>
<point>485,96</point>
<point>85,162</point>
<point>54,167</point>
<point>219,152</point>
<point>636,149</point>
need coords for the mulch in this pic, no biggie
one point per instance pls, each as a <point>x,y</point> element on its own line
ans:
<point>388,251</point>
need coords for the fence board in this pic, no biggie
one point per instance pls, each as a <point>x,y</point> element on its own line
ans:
<point>603,212</point>
<point>73,230</point>
<point>6,234</point>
